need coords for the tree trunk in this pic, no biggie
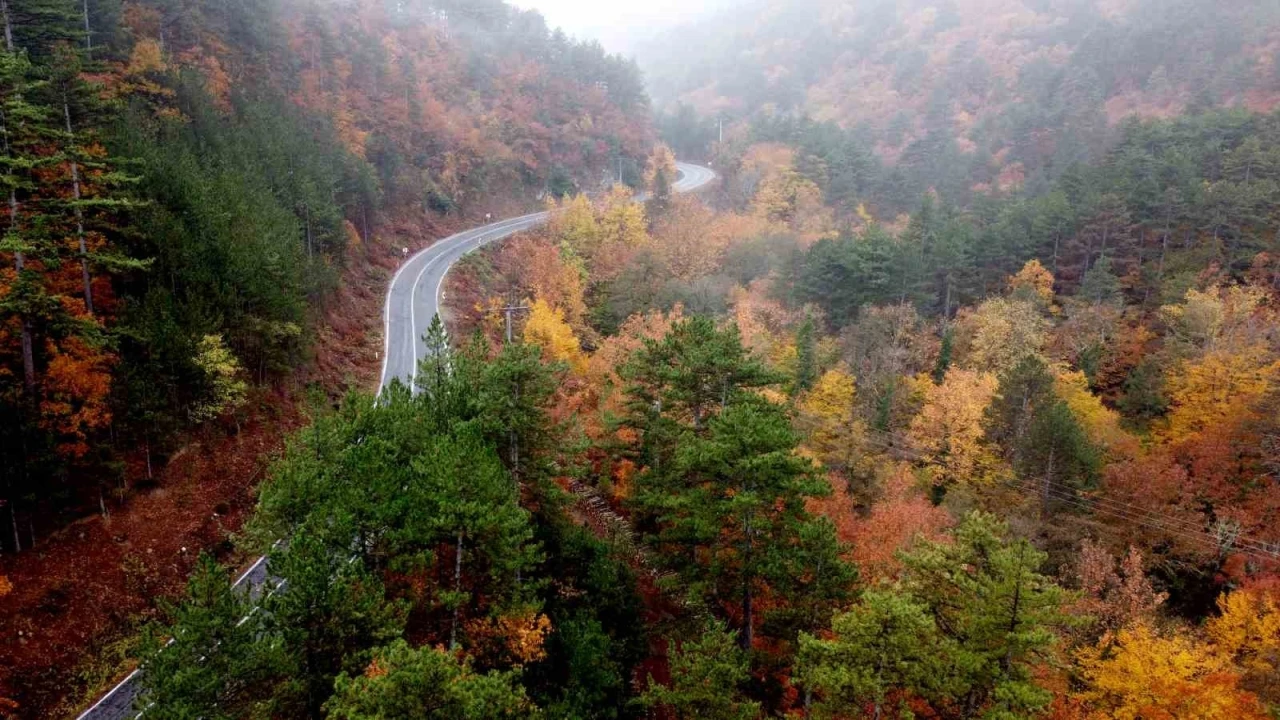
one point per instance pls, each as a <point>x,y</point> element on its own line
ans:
<point>75,194</point>
<point>457,587</point>
<point>13,520</point>
<point>28,346</point>
<point>1046,485</point>
<point>1057,240</point>
<point>748,610</point>
<point>88,31</point>
<point>8,25</point>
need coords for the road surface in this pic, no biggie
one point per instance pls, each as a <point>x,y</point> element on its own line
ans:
<point>412,300</point>
<point>414,296</point>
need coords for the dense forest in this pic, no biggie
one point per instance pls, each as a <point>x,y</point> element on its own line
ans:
<point>188,178</point>
<point>959,96</point>
<point>972,489</point>
<point>955,398</point>
<point>194,190</point>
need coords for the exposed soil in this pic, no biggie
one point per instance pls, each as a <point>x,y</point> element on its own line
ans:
<point>80,596</point>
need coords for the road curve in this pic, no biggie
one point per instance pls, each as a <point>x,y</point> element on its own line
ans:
<point>413,298</point>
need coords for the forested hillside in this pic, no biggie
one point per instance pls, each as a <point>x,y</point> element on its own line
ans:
<point>959,95</point>
<point>201,201</point>
<point>834,474</point>
<point>955,398</point>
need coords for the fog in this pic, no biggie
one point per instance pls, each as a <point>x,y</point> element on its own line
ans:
<point>620,26</point>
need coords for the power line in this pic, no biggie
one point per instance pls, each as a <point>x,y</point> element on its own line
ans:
<point>1111,507</point>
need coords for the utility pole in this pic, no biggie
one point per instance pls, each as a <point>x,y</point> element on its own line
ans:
<point>510,310</point>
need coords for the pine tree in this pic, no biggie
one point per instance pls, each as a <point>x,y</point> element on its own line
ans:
<point>706,674</point>
<point>1056,453</point>
<point>97,187</point>
<point>463,495</point>
<point>995,612</point>
<point>692,373</point>
<point>883,648</point>
<point>659,203</point>
<point>329,614</point>
<point>806,358</point>
<point>20,124</point>
<point>404,683</point>
<point>212,659</point>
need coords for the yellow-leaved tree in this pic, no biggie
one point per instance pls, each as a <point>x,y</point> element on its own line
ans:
<point>224,378</point>
<point>660,160</point>
<point>573,225</point>
<point>1223,387</point>
<point>1144,675</point>
<point>999,333</point>
<point>547,328</point>
<point>1247,632</point>
<point>1033,282</point>
<point>827,416</point>
<point>622,222</point>
<point>1100,423</point>
<point>948,431</point>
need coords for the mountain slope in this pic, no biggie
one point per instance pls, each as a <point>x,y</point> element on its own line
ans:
<point>1016,89</point>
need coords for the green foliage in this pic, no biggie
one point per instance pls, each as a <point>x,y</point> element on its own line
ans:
<point>691,373</point>
<point>885,644</point>
<point>599,635</point>
<point>996,614</point>
<point>723,491</point>
<point>207,662</point>
<point>432,530</point>
<point>402,683</point>
<point>328,612</point>
<point>806,373</point>
<point>706,676</point>
<point>1045,442</point>
<point>1173,197</point>
<point>962,631</point>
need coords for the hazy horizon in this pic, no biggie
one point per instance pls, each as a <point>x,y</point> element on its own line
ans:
<point>618,26</point>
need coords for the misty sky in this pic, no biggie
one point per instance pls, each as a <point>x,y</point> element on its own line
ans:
<point>617,23</point>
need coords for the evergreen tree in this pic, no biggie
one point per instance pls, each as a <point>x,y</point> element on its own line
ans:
<point>463,492</point>
<point>1100,285</point>
<point>213,659</point>
<point>886,646</point>
<point>806,358</point>
<point>1057,454</point>
<point>691,374</point>
<point>706,676</point>
<point>1024,390</point>
<point>328,614</point>
<point>403,683</point>
<point>995,612</point>
<point>659,202</point>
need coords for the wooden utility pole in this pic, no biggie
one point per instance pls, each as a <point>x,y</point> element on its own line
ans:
<point>510,310</point>
<point>513,307</point>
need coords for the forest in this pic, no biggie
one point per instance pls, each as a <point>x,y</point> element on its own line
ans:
<point>196,189</point>
<point>955,397</point>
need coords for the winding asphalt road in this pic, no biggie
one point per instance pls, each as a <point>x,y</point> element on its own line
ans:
<point>414,296</point>
<point>412,300</point>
